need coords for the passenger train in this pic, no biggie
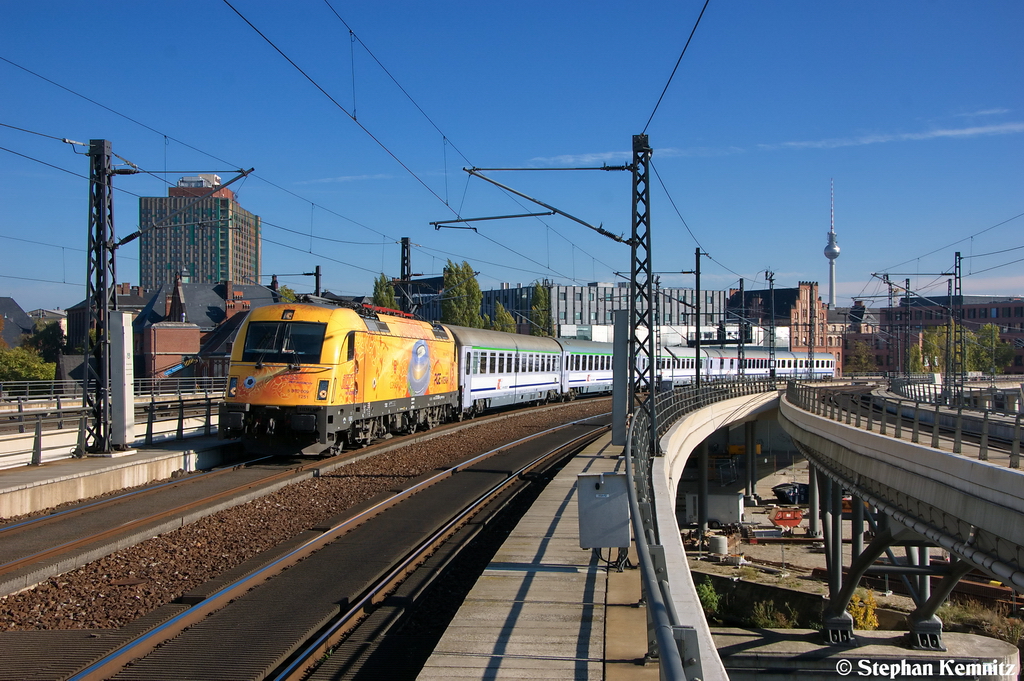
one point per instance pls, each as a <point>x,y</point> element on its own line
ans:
<point>321,378</point>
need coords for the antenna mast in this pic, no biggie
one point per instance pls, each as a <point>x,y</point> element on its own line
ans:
<point>832,248</point>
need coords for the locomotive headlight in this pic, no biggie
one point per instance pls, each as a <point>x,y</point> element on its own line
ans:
<point>233,386</point>
<point>321,390</point>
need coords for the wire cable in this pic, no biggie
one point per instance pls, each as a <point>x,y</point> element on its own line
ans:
<point>678,61</point>
<point>184,144</point>
<point>336,103</point>
<point>692,235</point>
<point>966,238</point>
<point>395,81</point>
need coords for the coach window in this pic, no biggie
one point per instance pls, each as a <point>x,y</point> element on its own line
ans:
<point>517,363</point>
<point>501,362</point>
<point>493,363</point>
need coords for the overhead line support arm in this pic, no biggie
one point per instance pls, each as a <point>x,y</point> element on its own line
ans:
<point>600,230</point>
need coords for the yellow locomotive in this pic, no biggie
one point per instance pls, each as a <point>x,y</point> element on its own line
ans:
<point>321,378</point>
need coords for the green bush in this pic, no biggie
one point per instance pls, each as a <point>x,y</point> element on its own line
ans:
<point>709,598</point>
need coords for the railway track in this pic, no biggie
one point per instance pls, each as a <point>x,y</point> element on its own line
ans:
<point>132,571</point>
<point>39,547</point>
<point>288,612</point>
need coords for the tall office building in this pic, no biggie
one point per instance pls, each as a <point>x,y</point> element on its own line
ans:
<point>213,240</point>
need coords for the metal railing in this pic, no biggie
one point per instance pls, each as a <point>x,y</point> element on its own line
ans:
<point>669,407</point>
<point>32,436</point>
<point>893,416</point>
<point>26,391</point>
<point>1006,400</point>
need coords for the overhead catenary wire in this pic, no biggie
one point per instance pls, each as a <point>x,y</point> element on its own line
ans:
<point>269,182</point>
<point>182,143</point>
<point>676,67</point>
<point>336,103</point>
<point>693,236</point>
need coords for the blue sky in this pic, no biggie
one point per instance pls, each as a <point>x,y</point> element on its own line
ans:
<point>914,109</point>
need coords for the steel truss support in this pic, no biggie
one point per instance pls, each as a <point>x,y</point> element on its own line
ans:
<point>100,295</point>
<point>915,572</point>
<point>642,349</point>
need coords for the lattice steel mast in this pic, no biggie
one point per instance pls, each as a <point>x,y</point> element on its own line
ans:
<point>641,302</point>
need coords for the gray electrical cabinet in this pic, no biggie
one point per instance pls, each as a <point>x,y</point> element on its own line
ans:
<point>603,509</point>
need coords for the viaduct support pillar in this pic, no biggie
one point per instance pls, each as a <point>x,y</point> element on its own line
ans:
<point>749,443</point>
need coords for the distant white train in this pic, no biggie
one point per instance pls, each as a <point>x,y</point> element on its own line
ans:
<point>678,364</point>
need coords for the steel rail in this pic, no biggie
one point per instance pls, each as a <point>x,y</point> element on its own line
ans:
<point>148,641</point>
<point>348,621</point>
<point>137,523</point>
<point>293,470</point>
<point>40,521</point>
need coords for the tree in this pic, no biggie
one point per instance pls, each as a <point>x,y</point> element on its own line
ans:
<point>384,293</point>
<point>988,353</point>
<point>859,359</point>
<point>915,363</point>
<point>540,312</point>
<point>933,349</point>
<point>287,295</point>
<point>503,319</point>
<point>460,303</point>
<point>24,364</point>
<point>47,340</point>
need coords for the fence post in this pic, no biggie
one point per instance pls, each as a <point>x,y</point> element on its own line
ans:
<point>208,429</point>
<point>150,419</point>
<point>915,436</point>
<point>849,409</point>
<point>958,435</point>
<point>935,428</point>
<point>1015,447</point>
<point>21,414</point>
<point>983,449</point>
<point>60,415</point>
<point>884,416</point>
<point>181,418</point>
<point>899,419</point>
<point>37,444</point>
<point>80,450</point>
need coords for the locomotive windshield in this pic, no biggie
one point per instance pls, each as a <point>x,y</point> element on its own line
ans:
<point>284,342</point>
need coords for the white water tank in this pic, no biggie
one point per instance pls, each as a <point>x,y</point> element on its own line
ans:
<point>720,544</point>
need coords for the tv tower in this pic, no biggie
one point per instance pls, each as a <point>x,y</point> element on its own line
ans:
<point>832,249</point>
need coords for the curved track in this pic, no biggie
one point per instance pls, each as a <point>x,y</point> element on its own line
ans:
<point>307,598</point>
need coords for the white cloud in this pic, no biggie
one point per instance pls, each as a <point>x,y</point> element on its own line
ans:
<point>985,112</point>
<point>625,157</point>
<point>605,157</point>
<point>974,131</point>
<point>347,178</point>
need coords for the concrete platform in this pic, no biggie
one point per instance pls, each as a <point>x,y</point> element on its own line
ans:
<point>28,489</point>
<point>545,608</point>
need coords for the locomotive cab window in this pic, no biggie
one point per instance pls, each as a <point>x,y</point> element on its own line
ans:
<point>284,342</point>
